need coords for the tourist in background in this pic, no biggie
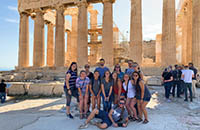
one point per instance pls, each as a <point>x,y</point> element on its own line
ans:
<point>131,100</point>
<point>3,91</point>
<point>117,69</point>
<point>82,83</point>
<point>117,87</point>
<point>70,87</point>
<point>130,68</point>
<point>194,79</point>
<point>143,96</point>
<point>187,76</point>
<point>107,88</point>
<point>90,76</point>
<point>95,90</point>
<point>176,73</point>
<point>102,69</point>
<point>167,80</point>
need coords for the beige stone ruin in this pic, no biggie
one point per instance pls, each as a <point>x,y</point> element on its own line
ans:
<point>178,43</point>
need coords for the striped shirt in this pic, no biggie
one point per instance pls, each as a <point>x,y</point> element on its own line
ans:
<point>72,80</point>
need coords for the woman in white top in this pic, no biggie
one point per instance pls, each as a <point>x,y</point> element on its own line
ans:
<point>131,100</point>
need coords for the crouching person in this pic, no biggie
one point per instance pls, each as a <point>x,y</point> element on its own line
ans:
<point>118,117</point>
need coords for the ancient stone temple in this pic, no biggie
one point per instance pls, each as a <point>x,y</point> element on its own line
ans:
<point>178,43</point>
<point>52,14</point>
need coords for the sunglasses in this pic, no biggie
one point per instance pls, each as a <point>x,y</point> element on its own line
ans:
<point>121,103</point>
<point>135,75</point>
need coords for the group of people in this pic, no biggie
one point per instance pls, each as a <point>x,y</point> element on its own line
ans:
<point>182,78</point>
<point>123,95</point>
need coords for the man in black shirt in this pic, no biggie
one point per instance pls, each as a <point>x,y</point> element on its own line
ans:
<point>2,91</point>
<point>194,80</point>
<point>167,79</point>
<point>176,81</point>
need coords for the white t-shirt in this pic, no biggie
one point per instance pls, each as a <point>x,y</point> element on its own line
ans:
<point>131,89</point>
<point>187,75</point>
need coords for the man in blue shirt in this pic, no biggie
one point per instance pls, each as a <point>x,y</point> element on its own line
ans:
<point>101,69</point>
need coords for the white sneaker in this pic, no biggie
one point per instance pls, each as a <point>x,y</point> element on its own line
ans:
<point>84,126</point>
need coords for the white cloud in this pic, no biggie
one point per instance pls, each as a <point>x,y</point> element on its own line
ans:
<point>151,30</point>
<point>11,20</point>
<point>12,8</point>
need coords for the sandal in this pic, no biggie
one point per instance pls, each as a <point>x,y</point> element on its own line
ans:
<point>145,121</point>
<point>139,120</point>
<point>81,116</point>
<point>134,119</point>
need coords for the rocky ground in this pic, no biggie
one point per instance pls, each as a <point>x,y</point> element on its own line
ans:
<point>48,114</point>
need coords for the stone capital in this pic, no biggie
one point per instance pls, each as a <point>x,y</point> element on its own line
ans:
<point>82,3</point>
<point>60,8</point>
<point>111,1</point>
<point>40,11</point>
<point>24,13</point>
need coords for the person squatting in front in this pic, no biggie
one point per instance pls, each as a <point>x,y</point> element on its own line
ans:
<point>117,116</point>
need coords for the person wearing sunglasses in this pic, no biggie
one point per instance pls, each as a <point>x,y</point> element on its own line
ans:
<point>102,69</point>
<point>143,96</point>
<point>117,69</point>
<point>117,116</point>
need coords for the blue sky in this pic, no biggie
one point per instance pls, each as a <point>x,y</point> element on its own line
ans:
<point>9,25</point>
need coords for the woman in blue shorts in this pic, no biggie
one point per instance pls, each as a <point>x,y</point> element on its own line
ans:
<point>143,96</point>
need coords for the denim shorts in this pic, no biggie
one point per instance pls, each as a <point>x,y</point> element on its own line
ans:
<point>146,99</point>
<point>104,117</point>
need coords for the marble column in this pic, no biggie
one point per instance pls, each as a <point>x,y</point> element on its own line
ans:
<point>73,39</point>
<point>23,54</point>
<point>82,42</point>
<point>169,33</point>
<point>60,38</point>
<point>136,31</point>
<point>107,32</point>
<point>93,24</point>
<point>50,45</point>
<point>158,49</point>
<point>69,49</point>
<point>184,38</point>
<point>93,37</point>
<point>196,33</point>
<point>38,49</point>
<point>189,32</point>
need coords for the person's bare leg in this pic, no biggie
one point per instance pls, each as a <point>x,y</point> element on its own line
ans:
<point>99,102</point>
<point>128,106</point>
<point>93,103</point>
<point>144,111</point>
<point>92,115</point>
<point>85,102</point>
<point>132,104</point>
<point>139,109</point>
<point>81,104</point>
<point>102,126</point>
